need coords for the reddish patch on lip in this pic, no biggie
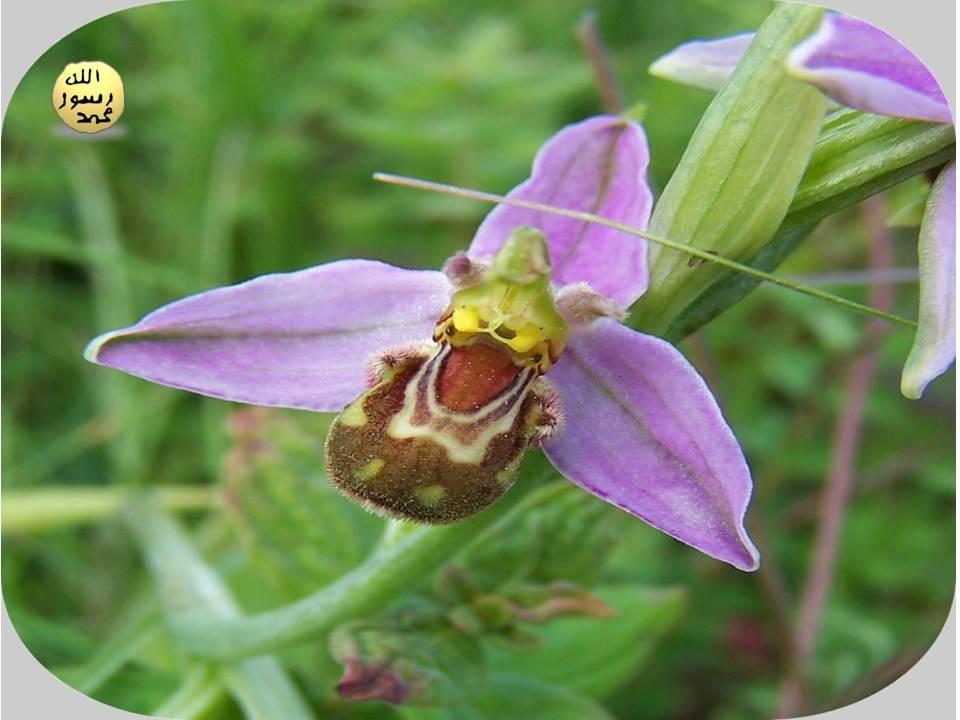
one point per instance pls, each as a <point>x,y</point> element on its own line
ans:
<point>473,375</point>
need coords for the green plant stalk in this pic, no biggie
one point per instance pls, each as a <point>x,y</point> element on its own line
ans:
<point>389,571</point>
<point>137,626</point>
<point>734,286</point>
<point>24,239</point>
<point>264,691</point>
<point>188,587</point>
<point>113,291</point>
<point>221,205</point>
<point>205,621</point>
<point>96,210</point>
<point>216,249</point>
<point>739,173</point>
<point>202,688</point>
<point>861,166</point>
<point>28,511</point>
<point>120,398</point>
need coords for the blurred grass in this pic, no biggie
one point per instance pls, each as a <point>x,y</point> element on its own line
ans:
<point>252,132</point>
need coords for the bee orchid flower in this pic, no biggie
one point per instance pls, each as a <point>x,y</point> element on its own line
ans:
<point>863,67</point>
<point>443,379</point>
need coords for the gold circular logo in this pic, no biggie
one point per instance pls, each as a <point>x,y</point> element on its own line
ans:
<point>88,96</point>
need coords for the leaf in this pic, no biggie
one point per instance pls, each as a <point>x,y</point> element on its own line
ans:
<point>132,629</point>
<point>137,688</point>
<point>851,644</point>
<point>300,532</point>
<point>412,657</point>
<point>568,537</point>
<point>734,286</point>
<point>511,697</point>
<point>190,589</point>
<point>906,202</point>
<point>263,689</point>
<point>596,656</point>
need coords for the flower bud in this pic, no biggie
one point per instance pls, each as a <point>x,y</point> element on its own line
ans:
<point>740,171</point>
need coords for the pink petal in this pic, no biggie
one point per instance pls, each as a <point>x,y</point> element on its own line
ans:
<point>863,67</point>
<point>935,346</point>
<point>644,433</point>
<point>704,64</point>
<point>598,166</point>
<point>296,340</point>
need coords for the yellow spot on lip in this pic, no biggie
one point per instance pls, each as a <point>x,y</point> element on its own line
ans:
<point>466,319</point>
<point>525,340</point>
<point>430,495</point>
<point>353,415</point>
<point>505,476</point>
<point>370,470</point>
<point>498,325</point>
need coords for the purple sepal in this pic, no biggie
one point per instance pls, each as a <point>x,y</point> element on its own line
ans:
<point>643,432</point>
<point>297,339</point>
<point>863,67</point>
<point>704,64</point>
<point>935,346</point>
<point>597,166</point>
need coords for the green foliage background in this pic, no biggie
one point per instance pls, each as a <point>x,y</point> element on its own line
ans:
<point>251,133</point>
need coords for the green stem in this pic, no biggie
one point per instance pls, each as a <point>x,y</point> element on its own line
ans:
<point>27,511</point>
<point>205,620</point>
<point>665,242</point>
<point>861,156</point>
<point>189,589</point>
<point>734,286</point>
<point>113,294</point>
<point>201,689</point>
<point>383,577</point>
<point>137,625</point>
<point>264,690</point>
<point>97,213</point>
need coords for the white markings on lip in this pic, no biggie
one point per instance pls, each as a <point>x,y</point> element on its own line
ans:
<point>464,436</point>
